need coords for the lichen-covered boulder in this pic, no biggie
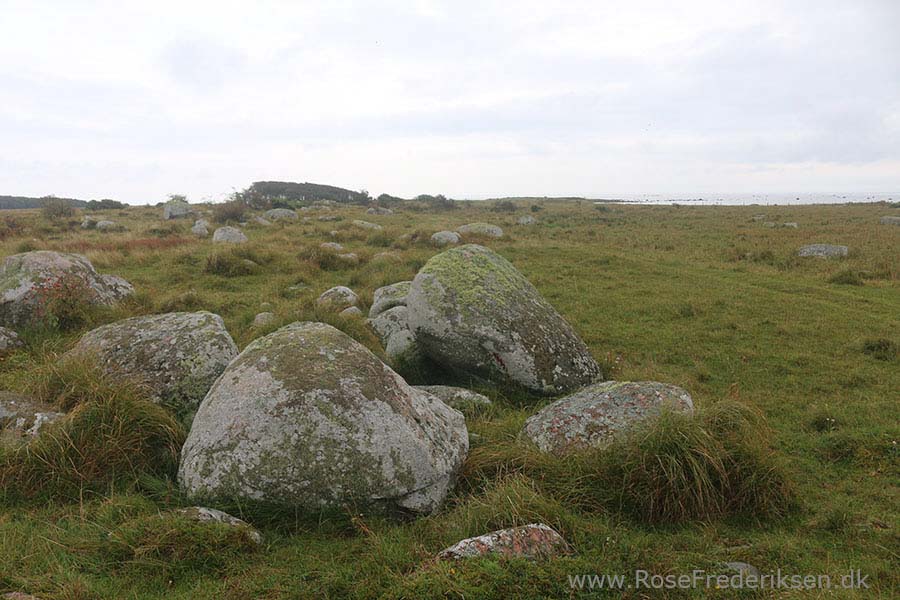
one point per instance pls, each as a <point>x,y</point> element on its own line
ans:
<point>338,298</point>
<point>307,417</point>
<point>9,340</point>
<point>28,280</point>
<point>823,251</point>
<point>483,229</point>
<point>531,541</point>
<point>202,514</point>
<point>229,235</point>
<point>351,311</point>
<point>392,328</point>
<point>457,397</point>
<point>526,220</point>
<point>177,356</point>
<point>176,210</point>
<point>281,214</point>
<point>445,238</point>
<point>21,419</point>
<point>591,417</point>
<point>389,296</point>
<point>472,311</point>
<point>367,225</point>
<point>200,228</point>
<point>889,220</point>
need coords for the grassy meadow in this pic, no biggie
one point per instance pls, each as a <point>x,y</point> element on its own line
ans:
<point>706,298</point>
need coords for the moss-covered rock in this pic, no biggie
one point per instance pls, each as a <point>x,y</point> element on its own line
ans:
<point>29,281</point>
<point>177,356</point>
<point>307,417</point>
<point>472,311</point>
<point>591,417</point>
<point>389,296</point>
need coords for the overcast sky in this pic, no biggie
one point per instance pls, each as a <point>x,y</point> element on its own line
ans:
<point>136,100</point>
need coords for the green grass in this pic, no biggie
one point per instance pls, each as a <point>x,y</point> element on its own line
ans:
<point>791,461</point>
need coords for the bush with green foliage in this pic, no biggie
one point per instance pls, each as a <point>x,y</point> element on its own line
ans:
<point>232,211</point>
<point>56,209</point>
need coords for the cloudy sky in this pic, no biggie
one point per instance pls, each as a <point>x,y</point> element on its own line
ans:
<point>136,100</point>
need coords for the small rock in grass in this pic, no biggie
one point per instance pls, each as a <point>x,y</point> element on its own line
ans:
<point>389,296</point>
<point>823,251</point>
<point>352,311</point>
<point>531,541</point>
<point>445,238</point>
<point>229,235</point>
<point>203,514</point>
<point>485,229</point>
<point>367,225</point>
<point>338,298</point>
<point>263,319</point>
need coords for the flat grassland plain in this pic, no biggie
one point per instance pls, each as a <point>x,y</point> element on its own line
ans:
<point>702,297</point>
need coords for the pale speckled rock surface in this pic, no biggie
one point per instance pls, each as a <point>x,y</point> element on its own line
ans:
<point>24,277</point>
<point>457,397</point>
<point>530,541</point>
<point>109,226</point>
<point>338,298</point>
<point>177,356</point>
<point>445,238</point>
<point>203,514</point>
<point>472,311</point>
<point>367,225</point>
<point>279,214</point>
<point>9,340</point>
<point>591,417</point>
<point>263,319</point>
<point>229,235</point>
<point>200,228</point>
<point>389,296</point>
<point>485,229</point>
<point>823,251</point>
<point>334,246</point>
<point>379,210</point>
<point>308,417</point>
<point>526,220</point>
<point>176,210</point>
<point>400,347</point>
<point>352,311</point>
<point>21,419</point>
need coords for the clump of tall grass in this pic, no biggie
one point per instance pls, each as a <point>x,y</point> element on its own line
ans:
<point>229,264</point>
<point>112,437</point>
<point>674,468</point>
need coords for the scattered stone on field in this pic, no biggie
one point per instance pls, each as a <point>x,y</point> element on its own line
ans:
<point>263,319</point>
<point>445,238</point>
<point>338,298</point>
<point>389,296</point>
<point>457,397</point>
<point>367,225</point>
<point>262,221</point>
<point>22,418</point>
<point>350,258</point>
<point>9,340</point>
<point>759,217</point>
<point>279,214</point>
<point>889,220</point>
<point>334,233</point>
<point>472,311</point>
<point>229,235</point>
<point>177,356</point>
<point>330,218</point>
<point>200,228</point>
<point>770,224</point>
<point>741,568</point>
<point>592,416</point>
<point>379,210</point>
<point>352,311</point>
<point>176,210</point>
<point>88,223</point>
<point>790,225</point>
<point>109,226</point>
<point>331,246</point>
<point>823,251</point>
<point>485,229</point>
<point>387,256</point>
<point>530,541</point>
<point>203,514</point>
<point>526,220</point>
<point>309,418</point>
<point>26,279</point>
<point>297,288</point>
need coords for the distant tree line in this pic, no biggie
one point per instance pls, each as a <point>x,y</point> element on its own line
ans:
<point>286,193</point>
<point>22,202</point>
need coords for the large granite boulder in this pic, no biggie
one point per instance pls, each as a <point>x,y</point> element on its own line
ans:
<point>399,343</point>
<point>591,417</point>
<point>823,251</point>
<point>177,356</point>
<point>229,235</point>
<point>28,280</point>
<point>482,229</point>
<point>281,214</point>
<point>472,311</point>
<point>177,209</point>
<point>307,417</point>
<point>389,296</point>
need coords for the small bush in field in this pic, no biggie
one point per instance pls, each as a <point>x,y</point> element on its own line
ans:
<point>64,302</point>
<point>56,209</point>
<point>503,206</point>
<point>847,277</point>
<point>229,211</point>
<point>882,349</point>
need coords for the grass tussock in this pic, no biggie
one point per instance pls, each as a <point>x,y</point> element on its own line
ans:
<point>113,436</point>
<point>229,264</point>
<point>676,468</point>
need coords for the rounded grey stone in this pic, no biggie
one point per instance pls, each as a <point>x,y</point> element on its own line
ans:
<point>389,296</point>
<point>485,229</point>
<point>280,214</point>
<point>229,235</point>
<point>445,238</point>
<point>338,298</point>
<point>823,251</point>
<point>457,397</point>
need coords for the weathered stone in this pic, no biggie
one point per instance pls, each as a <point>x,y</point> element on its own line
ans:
<point>759,217</point>
<point>307,417</point>
<point>889,220</point>
<point>334,246</point>
<point>387,256</point>
<point>281,214</point>
<point>445,238</point>
<point>202,514</point>
<point>352,311</point>
<point>741,568</point>
<point>379,210</point>
<point>176,210</point>
<point>262,221</point>
<point>351,258</point>
<point>526,220</point>
<point>88,223</point>
<point>9,340</point>
<point>109,226</point>
<point>472,311</point>
<point>27,279</point>
<point>389,296</point>
<point>388,322</point>
<point>591,417</point>
<point>531,541</point>
<point>367,225</point>
<point>177,356</point>
<point>483,229</point>
<point>22,418</point>
<point>790,225</point>
<point>330,218</point>
<point>823,251</point>
<point>200,229</point>
<point>457,397</point>
<point>338,298</point>
<point>229,235</point>
<point>264,319</point>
